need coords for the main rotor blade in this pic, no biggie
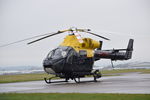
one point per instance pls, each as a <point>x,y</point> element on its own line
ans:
<point>23,40</point>
<point>98,35</point>
<point>59,32</point>
<point>44,37</point>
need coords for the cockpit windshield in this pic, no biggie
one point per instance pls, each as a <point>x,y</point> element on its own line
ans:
<point>57,53</point>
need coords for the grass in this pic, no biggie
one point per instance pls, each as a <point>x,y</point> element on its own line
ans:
<point>34,77</point>
<point>22,77</point>
<point>72,96</point>
<point>143,71</point>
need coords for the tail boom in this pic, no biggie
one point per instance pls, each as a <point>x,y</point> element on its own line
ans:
<point>116,54</point>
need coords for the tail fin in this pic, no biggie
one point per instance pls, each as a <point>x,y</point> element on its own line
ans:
<point>129,49</point>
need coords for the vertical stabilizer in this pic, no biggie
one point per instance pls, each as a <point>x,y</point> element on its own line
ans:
<point>129,49</point>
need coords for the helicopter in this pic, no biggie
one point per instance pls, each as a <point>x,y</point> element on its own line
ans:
<point>75,56</point>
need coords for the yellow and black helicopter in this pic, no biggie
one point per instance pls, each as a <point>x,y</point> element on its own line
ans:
<point>75,56</point>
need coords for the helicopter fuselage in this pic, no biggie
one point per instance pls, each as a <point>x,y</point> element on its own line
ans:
<point>66,62</point>
<point>74,60</point>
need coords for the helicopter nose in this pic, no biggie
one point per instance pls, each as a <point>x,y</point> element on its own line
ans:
<point>54,64</point>
<point>48,67</point>
<point>47,63</point>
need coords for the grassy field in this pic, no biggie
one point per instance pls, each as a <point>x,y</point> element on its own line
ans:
<point>144,71</point>
<point>34,77</point>
<point>22,77</point>
<point>72,96</point>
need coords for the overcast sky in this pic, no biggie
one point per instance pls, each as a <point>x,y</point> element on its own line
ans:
<point>118,20</point>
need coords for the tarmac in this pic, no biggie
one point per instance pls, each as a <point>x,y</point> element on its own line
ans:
<point>128,83</point>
